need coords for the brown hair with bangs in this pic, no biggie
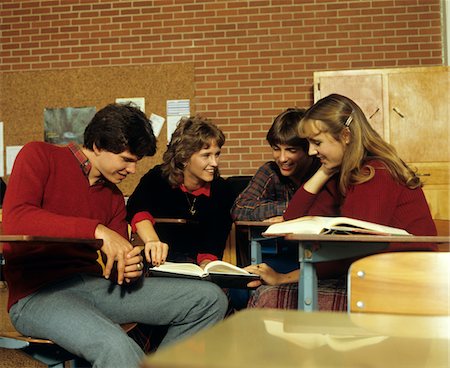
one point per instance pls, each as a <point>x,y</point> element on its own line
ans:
<point>284,129</point>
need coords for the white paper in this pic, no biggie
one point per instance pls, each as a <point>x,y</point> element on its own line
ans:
<point>157,124</point>
<point>172,122</point>
<point>11,153</point>
<point>178,107</point>
<point>2,160</point>
<point>139,102</point>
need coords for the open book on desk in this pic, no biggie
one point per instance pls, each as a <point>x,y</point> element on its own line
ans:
<point>222,273</point>
<point>331,225</point>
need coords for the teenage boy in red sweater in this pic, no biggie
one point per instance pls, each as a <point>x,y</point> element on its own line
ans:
<point>77,295</point>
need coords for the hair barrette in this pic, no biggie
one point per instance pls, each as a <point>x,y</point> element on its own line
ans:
<point>348,121</point>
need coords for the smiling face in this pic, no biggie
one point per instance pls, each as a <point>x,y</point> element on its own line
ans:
<point>113,167</point>
<point>202,166</point>
<point>325,146</point>
<point>289,159</point>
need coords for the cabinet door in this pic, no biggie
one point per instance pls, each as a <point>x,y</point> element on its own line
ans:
<point>365,89</point>
<point>419,115</point>
<point>436,179</point>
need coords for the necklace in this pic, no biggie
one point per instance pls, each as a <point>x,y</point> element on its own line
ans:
<point>192,209</point>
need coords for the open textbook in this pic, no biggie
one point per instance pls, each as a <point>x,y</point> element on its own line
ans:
<point>222,273</point>
<point>331,225</point>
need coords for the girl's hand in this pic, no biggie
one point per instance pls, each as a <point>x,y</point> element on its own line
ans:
<point>204,263</point>
<point>156,252</point>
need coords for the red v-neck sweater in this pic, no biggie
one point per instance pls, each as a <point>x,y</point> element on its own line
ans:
<point>381,200</point>
<point>49,195</point>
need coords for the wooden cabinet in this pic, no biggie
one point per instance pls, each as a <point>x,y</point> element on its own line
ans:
<point>410,108</point>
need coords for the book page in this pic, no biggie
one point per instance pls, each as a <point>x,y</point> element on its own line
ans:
<point>225,267</point>
<point>330,225</point>
<point>302,225</point>
<point>180,268</point>
<point>339,222</point>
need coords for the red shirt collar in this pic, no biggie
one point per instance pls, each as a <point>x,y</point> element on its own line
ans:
<point>85,164</point>
<point>205,190</point>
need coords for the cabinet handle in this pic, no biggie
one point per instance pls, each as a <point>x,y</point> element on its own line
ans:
<point>373,114</point>
<point>398,112</point>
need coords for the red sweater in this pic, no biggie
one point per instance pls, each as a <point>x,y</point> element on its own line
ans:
<point>49,195</point>
<point>381,200</point>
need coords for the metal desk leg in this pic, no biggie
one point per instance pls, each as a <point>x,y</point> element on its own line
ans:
<point>307,284</point>
<point>255,251</point>
<point>254,236</point>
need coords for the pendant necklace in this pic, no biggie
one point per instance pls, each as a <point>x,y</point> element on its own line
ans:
<point>192,209</point>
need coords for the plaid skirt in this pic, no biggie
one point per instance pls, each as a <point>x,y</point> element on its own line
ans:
<point>332,296</point>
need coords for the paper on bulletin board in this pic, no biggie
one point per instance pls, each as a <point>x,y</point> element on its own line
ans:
<point>66,124</point>
<point>139,102</point>
<point>172,122</point>
<point>157,124</point>
<point>2,162</point>
<point>11,153</point>
<point>176,109</point>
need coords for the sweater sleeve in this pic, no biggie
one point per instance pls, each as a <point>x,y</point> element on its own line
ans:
<point>258,201</point>
<point>324,203</point>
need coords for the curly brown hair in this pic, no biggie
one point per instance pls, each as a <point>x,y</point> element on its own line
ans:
<point>191,135</point>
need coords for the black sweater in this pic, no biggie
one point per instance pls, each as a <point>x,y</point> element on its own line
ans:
<point>211,223</point>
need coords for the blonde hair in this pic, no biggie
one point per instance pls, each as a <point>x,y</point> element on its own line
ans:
<point>333,114</point>
<point>191,135</point>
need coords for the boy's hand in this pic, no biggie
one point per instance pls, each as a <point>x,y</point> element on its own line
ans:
<point>116,248</point>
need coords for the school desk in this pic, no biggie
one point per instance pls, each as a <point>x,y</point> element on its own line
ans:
<point>322,248</point>
<point>269,338</point>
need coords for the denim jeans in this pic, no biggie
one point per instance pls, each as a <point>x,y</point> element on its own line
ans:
<point>82,314</point>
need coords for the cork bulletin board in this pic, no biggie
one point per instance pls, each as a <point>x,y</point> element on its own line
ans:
<point>25,95</point>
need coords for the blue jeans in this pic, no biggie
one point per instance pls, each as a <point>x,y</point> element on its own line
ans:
<point>82,314</point>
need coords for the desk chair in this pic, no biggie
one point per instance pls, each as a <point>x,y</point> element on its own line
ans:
<point>415,283</point>
<point>42,350</point>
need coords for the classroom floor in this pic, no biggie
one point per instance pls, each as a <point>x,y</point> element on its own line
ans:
<point>14,359</point>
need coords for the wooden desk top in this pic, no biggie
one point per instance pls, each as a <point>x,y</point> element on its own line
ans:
<point>28,239</point>
<point>46,239</point>
<point>348,238</point>
<point>267,338</point>
<point>253,223</point>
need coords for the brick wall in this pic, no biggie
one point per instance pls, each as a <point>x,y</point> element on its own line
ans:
<point>252,58</point>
